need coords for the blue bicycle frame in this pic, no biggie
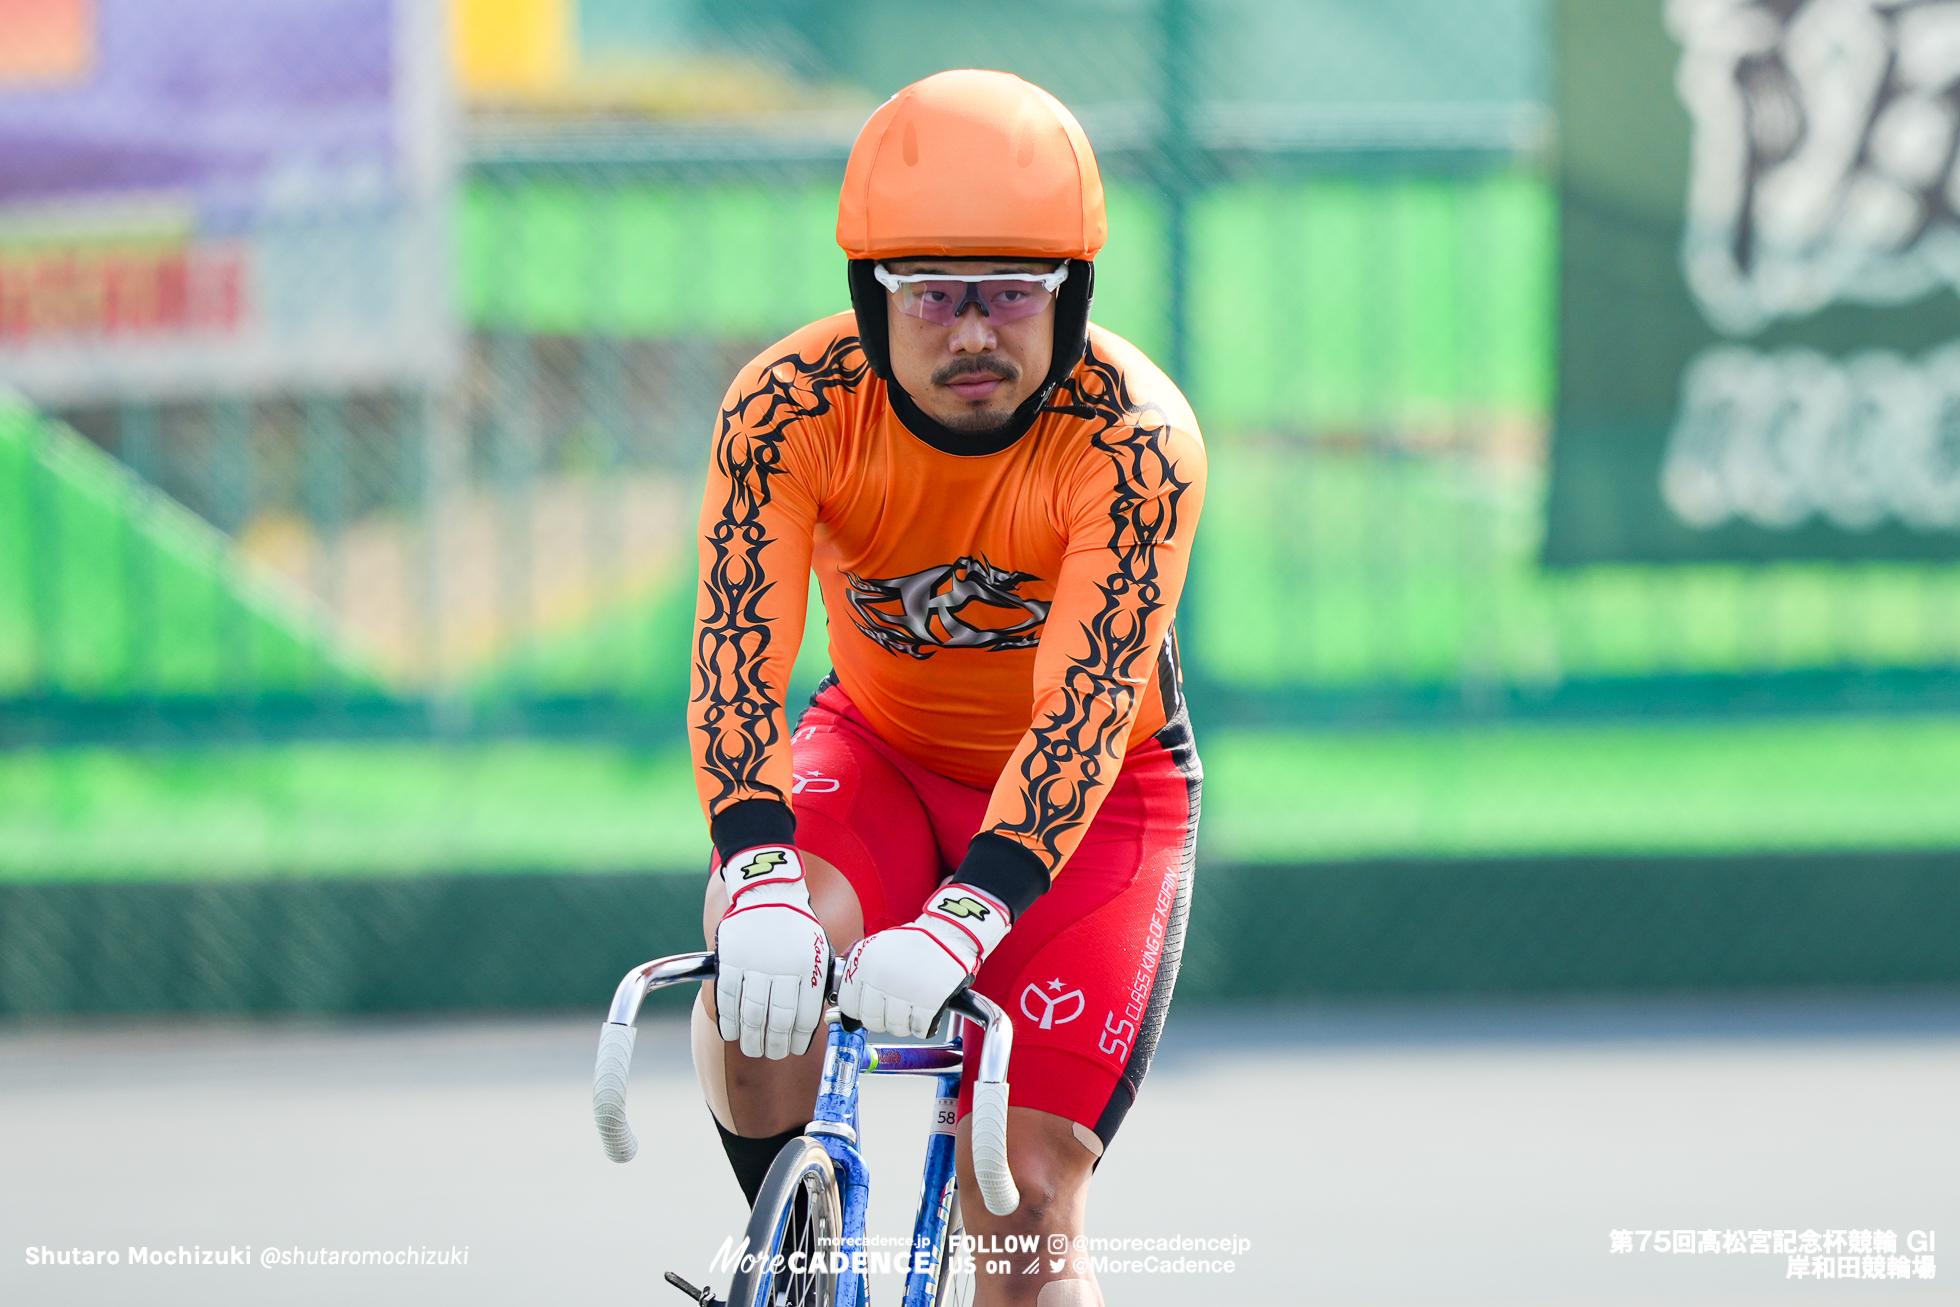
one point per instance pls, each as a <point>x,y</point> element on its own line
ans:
<point>846,1058</point>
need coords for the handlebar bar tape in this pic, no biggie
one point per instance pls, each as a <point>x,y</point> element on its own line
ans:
<point>997,1186</point>
<point>609,1091</point>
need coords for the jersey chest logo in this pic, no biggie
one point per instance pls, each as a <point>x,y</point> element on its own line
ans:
<point>923,613</point>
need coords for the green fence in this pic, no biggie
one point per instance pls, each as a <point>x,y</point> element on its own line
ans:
<point>1370,356</point>
<point>107,586</point>
<point>1337,225</point>
<point>1513,927</point>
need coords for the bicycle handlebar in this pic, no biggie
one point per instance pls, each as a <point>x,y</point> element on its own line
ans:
<point>997,1187</point>
<point>616,1044</point>
<point>616,1036</point>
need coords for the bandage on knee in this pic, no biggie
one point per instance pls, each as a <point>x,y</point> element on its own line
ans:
<point>1068,1293</point>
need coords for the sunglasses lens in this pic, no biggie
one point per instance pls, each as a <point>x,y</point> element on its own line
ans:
<point>1003,301</point>
<point>1009,300</point>
<point>935,301</point>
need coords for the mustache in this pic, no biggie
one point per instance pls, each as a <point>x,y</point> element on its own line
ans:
<point>985,366</point>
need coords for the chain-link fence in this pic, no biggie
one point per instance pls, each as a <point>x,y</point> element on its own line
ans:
<point>1504,926</point>
<point>380,381</point>
<point>1332,223</point>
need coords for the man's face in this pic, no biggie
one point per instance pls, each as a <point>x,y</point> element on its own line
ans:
<point>973,374</point>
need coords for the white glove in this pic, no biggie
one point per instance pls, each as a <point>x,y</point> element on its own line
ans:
<point>898,980</point>
<point>773,956</point>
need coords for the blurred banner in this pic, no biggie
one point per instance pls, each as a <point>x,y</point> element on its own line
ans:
<point>223,197</point>
<point>223,266</point>
<point>1759,344</point>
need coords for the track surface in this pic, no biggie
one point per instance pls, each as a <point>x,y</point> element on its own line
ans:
<point>1432,1155</point>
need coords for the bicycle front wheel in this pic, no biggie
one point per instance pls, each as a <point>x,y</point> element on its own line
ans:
<point>793,1231</point>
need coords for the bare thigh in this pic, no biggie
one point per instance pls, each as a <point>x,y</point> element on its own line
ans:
<point>761,1097</point>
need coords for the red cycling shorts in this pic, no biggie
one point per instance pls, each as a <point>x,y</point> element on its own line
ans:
<point>1086,972</point>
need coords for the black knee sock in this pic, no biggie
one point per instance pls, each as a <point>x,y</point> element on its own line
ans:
<point>751,1157</point>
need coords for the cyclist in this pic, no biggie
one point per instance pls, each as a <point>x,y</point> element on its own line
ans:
<point>997,781</point>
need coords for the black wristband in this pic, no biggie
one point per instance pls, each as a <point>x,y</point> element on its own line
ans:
<point>751,822</point>
<point>1008,871</point>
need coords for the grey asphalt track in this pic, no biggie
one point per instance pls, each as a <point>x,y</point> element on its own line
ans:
<point>1475,1153</point>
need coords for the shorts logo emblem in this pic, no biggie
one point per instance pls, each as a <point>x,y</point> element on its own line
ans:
<point>963,906</point>
<point>763,863</point>
<point>816,783</point>
<point>1052,1004</point>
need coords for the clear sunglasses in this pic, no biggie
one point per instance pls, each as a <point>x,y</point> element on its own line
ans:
<point>1002,296</point>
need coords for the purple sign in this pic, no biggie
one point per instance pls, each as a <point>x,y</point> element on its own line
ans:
<point>227,195</point>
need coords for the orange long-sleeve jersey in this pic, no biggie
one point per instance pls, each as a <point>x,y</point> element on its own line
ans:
<point>1001,618</point>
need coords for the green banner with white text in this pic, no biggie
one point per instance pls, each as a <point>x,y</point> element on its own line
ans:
<point>1759,336</point>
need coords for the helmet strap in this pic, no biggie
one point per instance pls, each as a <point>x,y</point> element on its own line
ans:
<point>1072,301</point>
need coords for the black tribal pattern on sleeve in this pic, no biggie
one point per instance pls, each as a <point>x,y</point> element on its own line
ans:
<point>740,714</point>
<point>1079,743</point>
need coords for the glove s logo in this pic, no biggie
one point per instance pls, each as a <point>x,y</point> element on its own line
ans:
<point>964,906</point>
<point>763,863</point>
<point>1052,1005</point>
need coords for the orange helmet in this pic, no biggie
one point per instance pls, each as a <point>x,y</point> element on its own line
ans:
<point>971,164</point>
